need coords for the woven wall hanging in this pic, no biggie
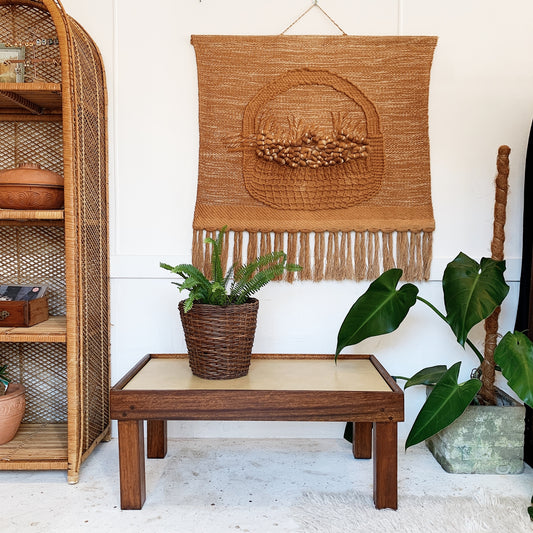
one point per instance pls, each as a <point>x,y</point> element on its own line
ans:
<point>317,145</point>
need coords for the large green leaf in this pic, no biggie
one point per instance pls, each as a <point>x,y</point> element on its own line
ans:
<point>381,309</point>
<point>446,403</point>
<point>514,355</point>
<point>471,292</point>
<point>427,376</point>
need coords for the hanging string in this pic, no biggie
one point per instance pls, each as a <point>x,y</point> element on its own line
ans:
<point>314,4</point>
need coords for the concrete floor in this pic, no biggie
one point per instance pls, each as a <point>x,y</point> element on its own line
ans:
<point>221,485</point>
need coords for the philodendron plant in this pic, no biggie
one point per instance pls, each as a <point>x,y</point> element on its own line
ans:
<point>472,291</point>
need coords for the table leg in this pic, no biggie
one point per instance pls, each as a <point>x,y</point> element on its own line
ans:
<point>386,465</point>
<point>156,439</point>
<point>131,460</point>
<point>362,440</point>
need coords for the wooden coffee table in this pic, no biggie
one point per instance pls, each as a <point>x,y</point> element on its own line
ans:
<point>278,387</point>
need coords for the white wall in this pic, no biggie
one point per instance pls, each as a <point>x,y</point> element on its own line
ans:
<point>481,96</point>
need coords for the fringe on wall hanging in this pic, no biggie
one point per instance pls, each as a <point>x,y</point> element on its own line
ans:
<point>317,145</point>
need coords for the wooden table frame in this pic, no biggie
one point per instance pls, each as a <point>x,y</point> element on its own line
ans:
<point>374,414</point>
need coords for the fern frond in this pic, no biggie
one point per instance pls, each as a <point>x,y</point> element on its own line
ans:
<point>263,263</point>
<point>166,266</point>
<point>245,272</point>
<point>189,302</point>
<point>292,267</point>
<point>194,279</point>
<point>216,254</point>
<point>185,270</point>
<point>242,291</point>
<point>229,275</point>
<point>188,284</point>
<point>218,295</point>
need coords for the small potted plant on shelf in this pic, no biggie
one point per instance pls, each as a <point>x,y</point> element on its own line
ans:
<point>472,292</point>
<point>12,406</point>
<point>219,316</point>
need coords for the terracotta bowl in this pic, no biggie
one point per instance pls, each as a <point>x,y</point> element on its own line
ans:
<point>30,187</point>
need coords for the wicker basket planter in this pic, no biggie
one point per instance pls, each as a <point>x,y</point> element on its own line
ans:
<point>220,339</point>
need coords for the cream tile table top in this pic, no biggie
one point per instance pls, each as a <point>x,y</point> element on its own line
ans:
<point>265,374</point>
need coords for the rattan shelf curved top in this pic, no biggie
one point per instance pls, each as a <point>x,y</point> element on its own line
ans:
<point>58,119</point>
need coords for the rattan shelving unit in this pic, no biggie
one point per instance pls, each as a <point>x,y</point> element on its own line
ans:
<point>57,118</point>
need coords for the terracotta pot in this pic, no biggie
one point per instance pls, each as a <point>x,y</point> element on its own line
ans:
<point>12,406</point>
<point>30,187</point>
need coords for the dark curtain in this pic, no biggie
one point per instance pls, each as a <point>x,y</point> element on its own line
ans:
<point>524,315</point>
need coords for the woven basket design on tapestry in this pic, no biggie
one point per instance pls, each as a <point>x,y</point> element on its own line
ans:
<point>291,162</point>
<point>220,339</point>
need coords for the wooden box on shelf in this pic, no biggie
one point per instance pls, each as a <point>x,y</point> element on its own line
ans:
<point>23,313</point>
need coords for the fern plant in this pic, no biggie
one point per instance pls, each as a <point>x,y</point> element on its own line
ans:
<point>235,286</point>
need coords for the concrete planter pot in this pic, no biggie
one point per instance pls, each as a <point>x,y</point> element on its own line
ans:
<point>483,440</point>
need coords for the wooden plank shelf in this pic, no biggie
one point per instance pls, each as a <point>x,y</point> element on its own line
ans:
<point>52,330</point>
<point>32,214</point>
<point>33,98</point>
<point>36,447</point>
